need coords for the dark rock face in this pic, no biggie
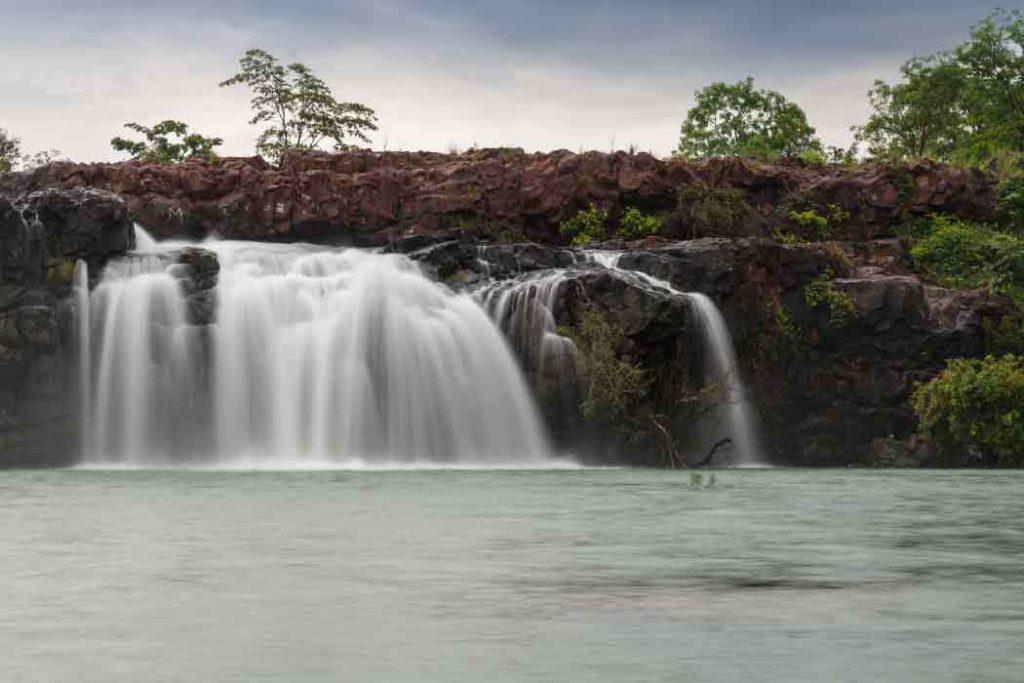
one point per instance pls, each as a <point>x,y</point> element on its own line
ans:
<point>824,391</point>
<point>198,275</point>
<point>505,195</point>
<point>41,237</point>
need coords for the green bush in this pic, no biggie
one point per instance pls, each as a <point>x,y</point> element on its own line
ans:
<point>636,225</point>
<point>712,210</point>
<point>959,254</point>
<point>591,225</point>
<point>586,226</point>
<point>614,385</point>
<point>976,403</point>
<point>1010,203</point>
<point>811,221</point>
<point>822,291</point>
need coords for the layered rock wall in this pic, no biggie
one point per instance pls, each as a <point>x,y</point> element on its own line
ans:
<point>506,195</point>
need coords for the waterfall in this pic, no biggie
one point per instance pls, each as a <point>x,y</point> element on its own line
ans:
<point>722,368</point>
<point>524,310</point>
<point>143,240</point>
<point>80,284</point>
<point>315,356</point>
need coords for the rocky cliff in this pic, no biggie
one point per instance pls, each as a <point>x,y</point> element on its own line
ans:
<point>506,195</point>
<point>42,235</point>
<point>832,329</point>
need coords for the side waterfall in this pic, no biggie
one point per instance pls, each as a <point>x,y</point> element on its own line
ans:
<point>80,284</point>
<point>316,355</point>
<point>721,367</point>
<point>524,309</point>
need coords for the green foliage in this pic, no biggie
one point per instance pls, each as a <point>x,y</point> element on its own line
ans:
<point>818,155</point>
<point>635,224</point>
<point>298,109</point>
<point>822,291</point>
<point>614,385</point>
<point>789,238</point>
<point>711,210</point>
<point>811,221</point>
<point>10,151</point>
<point>586,226</point>
<point>591,225</point>
<point>965,105</point>
<point>737,119</point>
<point>959,254</point>
<point>1010,199</point>
<point>1005,336</point>
<point>160,145</point>
<point>919,117</point>
<point>976,403</point>
<point>61,272</point>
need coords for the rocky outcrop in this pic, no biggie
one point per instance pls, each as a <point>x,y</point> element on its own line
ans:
<point>505,195</point>
<point>41,238</point>
<point>825,389</point>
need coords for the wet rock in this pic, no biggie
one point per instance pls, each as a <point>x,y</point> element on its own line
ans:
<point>42,235</point>
<point>199,273</point>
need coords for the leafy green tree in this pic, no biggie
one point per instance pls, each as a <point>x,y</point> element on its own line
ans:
<point>993,61</point>
<point>737,119</point>
<point>965,105</point>
<point>10,151</point>
<point>298,109</point>
<point>922,116</point>
<point>160,146</point>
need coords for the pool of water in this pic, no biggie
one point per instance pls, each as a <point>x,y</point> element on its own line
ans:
<point>586,575</point>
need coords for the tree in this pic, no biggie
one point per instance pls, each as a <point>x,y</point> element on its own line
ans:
<point>10,151</point>
<point>298,108</point>
<point>965,105</point>
<point>736,119</point>
<point>993,61</point>
<point>158,145</point>
<point>922,116</point>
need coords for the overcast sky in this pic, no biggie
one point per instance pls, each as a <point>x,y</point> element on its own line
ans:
<point>536,74</point>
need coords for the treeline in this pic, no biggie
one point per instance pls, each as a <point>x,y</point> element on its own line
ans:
<point>964,105</point>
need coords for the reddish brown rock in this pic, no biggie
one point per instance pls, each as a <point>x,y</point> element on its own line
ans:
<point>499,194</point>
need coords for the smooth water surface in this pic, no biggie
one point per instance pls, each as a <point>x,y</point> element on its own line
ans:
<point>587,575</point>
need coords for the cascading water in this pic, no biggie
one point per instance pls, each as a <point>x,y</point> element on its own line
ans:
<point>81,290</point>
<point>315,356</point>
<point>524,309</point>
<point>721,366</point>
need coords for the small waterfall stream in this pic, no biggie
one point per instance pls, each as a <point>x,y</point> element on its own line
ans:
<point>721,365</point>
<point>524,309</point>
<point>316,355</point>
<point>80,286</point>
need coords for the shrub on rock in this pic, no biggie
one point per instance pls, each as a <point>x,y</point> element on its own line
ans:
<point>976,404</point>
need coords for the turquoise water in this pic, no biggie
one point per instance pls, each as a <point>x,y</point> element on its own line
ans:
<point>591,575</point>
